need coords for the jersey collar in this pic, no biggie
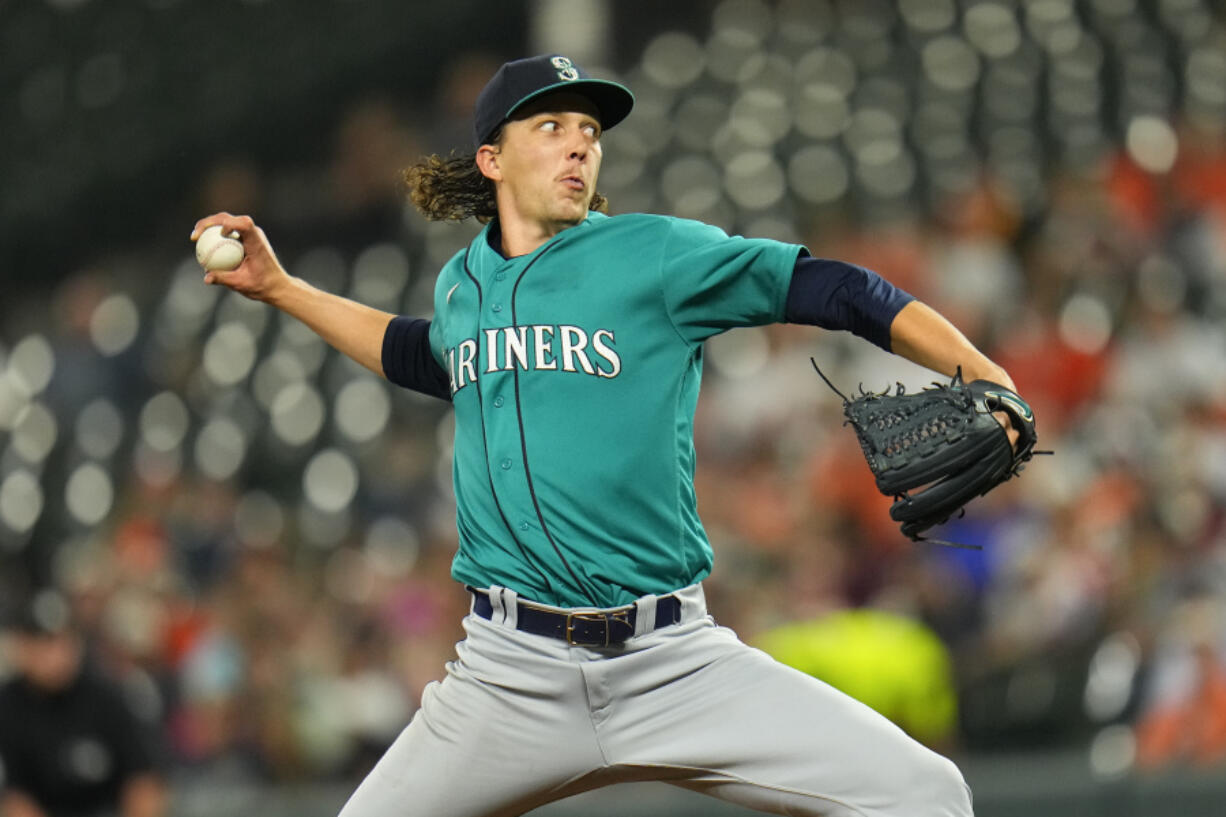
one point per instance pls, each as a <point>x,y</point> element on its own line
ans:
<point>487,246</point>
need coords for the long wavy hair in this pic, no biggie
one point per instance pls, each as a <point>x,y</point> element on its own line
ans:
<point>452,187</point>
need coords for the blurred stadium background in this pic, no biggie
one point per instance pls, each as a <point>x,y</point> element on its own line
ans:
<point>256,533</point>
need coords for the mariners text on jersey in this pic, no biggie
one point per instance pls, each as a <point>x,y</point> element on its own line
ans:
<point>537,348</point>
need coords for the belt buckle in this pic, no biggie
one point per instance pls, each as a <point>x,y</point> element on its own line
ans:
<point>622,616</point>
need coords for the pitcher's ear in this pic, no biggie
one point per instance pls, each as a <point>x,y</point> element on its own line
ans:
<point>487,162</point>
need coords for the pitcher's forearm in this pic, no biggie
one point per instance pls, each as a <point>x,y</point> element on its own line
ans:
<point>922,335</point>
<point>354,329</point>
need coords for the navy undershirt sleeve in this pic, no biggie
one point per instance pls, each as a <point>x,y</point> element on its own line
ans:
<point>407,360</point>
<point>836,295</point>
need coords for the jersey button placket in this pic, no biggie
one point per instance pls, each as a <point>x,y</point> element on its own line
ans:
<point>498,315</point>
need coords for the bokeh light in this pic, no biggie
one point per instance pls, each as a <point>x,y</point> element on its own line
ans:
<point>1152,144</point>
<point>21,500</point>
<point>220,448</point>
<point>30,365</point>
<point>35,433</point>
<point>115,324</point>
<point>99,428</point>
<point>392,546</point>
<point>297,413</point>
<point>274,373</point>
<point>259,519</point>
<point>674,60</point>
<point>229,354</point>
<point>380,273</point>
<point>330,480</point>
<point>818,174</point>
<point>89,493</point>
<point>164,421</point>
<point>363,409</point>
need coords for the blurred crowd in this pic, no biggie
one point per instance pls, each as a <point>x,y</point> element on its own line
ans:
<point>255,534</point>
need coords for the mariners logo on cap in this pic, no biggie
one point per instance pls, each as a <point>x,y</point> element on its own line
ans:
<point>566,68</point>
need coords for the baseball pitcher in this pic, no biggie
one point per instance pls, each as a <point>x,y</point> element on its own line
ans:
<point>570,345</point>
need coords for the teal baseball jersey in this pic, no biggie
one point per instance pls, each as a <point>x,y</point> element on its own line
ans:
<point>574,373</point>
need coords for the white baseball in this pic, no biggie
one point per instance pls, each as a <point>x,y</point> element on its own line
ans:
<point>215,251</point>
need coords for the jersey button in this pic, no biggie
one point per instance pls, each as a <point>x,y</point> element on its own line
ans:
<point>523,525</point>
<point>501,276</point>
<point>506,465</point>
<point>496,307</point>
<point>498,401</point>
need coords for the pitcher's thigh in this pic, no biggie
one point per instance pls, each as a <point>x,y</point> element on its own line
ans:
<point>467,753</point>
<point>767,736</point>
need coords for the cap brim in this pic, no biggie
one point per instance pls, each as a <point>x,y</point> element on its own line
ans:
<point>613,100</point>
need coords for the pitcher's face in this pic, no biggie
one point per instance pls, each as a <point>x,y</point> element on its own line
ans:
<point>548,160</point>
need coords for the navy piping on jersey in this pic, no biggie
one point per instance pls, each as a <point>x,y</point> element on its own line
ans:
<point>485,442</point>
<point>519,414</point>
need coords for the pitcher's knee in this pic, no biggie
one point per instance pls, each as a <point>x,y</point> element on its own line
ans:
<point>938,789</point>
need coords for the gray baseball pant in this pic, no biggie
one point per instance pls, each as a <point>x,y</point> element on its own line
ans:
<point>522,720</point>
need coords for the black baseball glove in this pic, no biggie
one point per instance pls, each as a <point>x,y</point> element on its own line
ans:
<point>936,449</point>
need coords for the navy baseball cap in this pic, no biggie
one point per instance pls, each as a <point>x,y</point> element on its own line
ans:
<point>521,81</point>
